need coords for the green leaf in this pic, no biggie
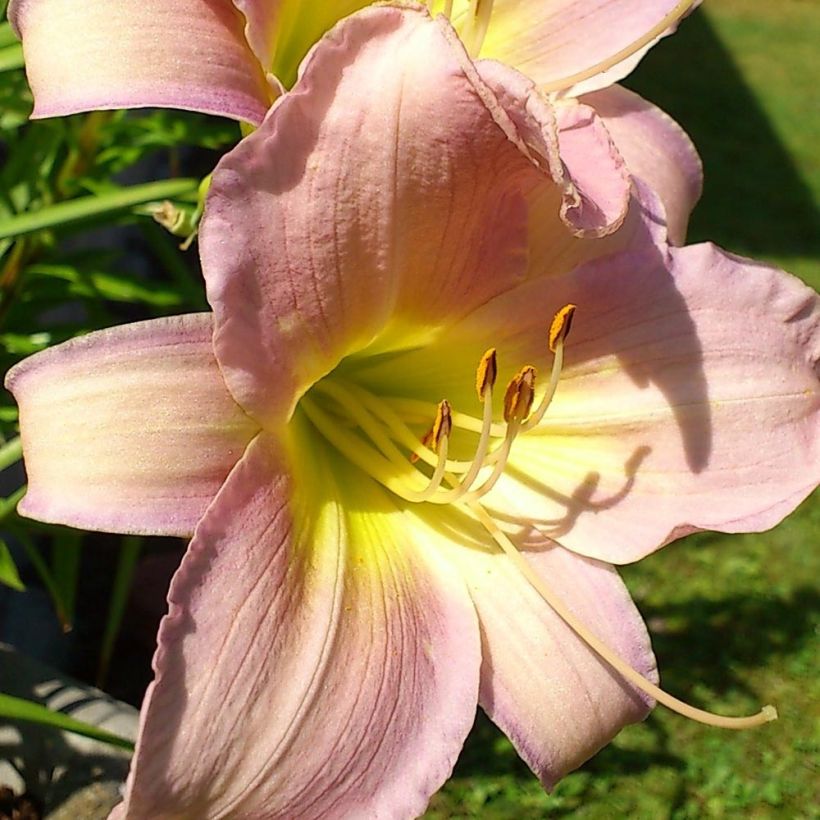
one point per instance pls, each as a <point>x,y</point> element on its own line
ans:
<point>8,571</point>
<point>21,709</point>
<point>45,576</point>
<point>7,36</point>
<point>88,207</point>
<point>8,505</point>
<point>21,345</point>
<point>65,568</point>
<point>108,286</point>
<point>10,452</point>
<point>11,57</point>
<point>129,553</point>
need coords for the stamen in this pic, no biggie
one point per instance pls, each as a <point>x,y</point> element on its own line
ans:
<point>517,404</point>
<point>485,381</point>
<point>440,438</point>
<point>559,330</point>
<point>476,29</point>
<point>573,79</point>
<point>561,324</point>
<point>486,374</point>
<point>385,470</point>
<point>419,449</point>
<point>766,714</point>
<point>443,425</point>
<point>420,410</point>
<point>520,394</point>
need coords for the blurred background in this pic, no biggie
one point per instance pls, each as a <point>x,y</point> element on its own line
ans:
<point>734,619</point>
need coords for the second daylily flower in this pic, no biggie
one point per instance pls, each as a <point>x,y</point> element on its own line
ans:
<point>351,594</point>
<point>235,57</point>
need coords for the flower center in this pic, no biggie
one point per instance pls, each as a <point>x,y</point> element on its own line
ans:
<point>375,434</point>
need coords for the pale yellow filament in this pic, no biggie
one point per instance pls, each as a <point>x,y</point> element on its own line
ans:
<point>476,28</point>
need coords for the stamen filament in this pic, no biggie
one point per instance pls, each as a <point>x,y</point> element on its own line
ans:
<point>476,29</point>
<point>766,714</point>
<point>501,454</point>
<point>441,440</point>
<point>364,420</point>
<point>385,471</point>
<point>423,410</point>
<point>480,458</point>
<point>400,431</point>
<point>552,386</point>
<point>573,79</point>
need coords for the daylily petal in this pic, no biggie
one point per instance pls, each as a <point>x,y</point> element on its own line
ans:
<point>129,429</point>
<point>689,398</point>
<point>100,54</point>
<point>656,149</point>
<point>688,402</point>
<point>546,689</point>
<point>590,173</point>
<point>551,42</point>
<point>314,664</point>
<point>334,218</point>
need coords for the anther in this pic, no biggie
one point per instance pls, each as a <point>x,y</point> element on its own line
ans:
<point>486,373</point>
<point>558,332</point>
<point>519,396</point>
<point>560,327</point>
<point>442,426</point>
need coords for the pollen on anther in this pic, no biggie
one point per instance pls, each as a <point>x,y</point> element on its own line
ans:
<point>560,327</point>
<point>519,395</point>
<point>486,373</point>
<point>443,425</point>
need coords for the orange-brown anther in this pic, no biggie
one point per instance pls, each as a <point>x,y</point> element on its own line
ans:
<point>561,323</point>
<point>486,373</point>
<point>520,394</point>
<point>443,425</point>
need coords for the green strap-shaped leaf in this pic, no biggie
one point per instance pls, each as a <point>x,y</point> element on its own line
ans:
<point>88,207</point>
<point>129,553</point>
<point>10,452</point>
<point>11,57</point>
<point>21,709</point>
<point>8,570</point>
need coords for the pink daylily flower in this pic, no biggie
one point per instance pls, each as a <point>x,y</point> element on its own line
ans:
<point>235,57</point>
<point>342,609</point>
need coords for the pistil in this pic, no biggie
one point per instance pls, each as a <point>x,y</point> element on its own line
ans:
<point>765,715</point>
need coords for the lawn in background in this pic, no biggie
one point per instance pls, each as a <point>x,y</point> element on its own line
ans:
<point>734,619</point>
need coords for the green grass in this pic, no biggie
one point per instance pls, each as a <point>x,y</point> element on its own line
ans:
<point>734,619</point>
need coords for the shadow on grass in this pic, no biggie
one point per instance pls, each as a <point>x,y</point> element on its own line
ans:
<point>755,200</point>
